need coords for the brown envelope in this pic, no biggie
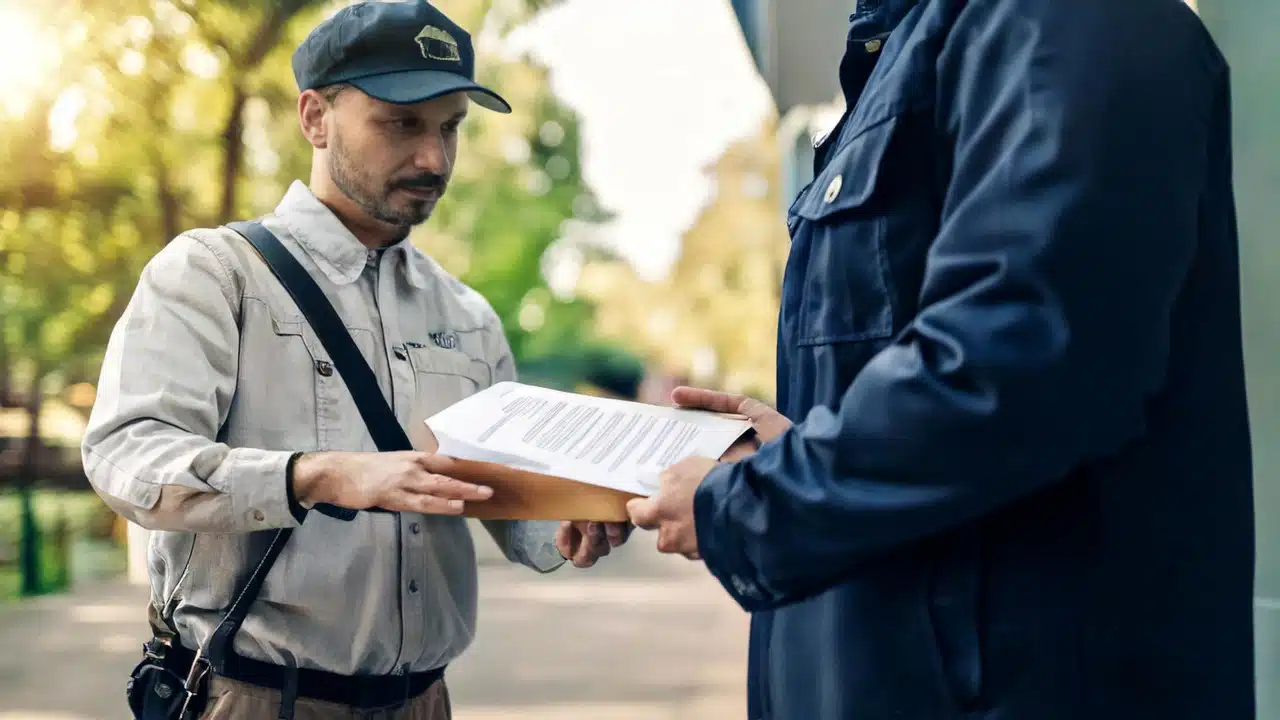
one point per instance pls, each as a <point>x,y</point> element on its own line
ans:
<point>526,495</point>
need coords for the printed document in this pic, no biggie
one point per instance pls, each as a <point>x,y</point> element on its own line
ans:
<point>601,441</point>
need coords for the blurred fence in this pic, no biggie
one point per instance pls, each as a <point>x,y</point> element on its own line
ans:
<point>77,538</point>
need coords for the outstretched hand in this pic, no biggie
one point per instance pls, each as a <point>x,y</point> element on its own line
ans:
<point>768,424</point>
<point>583,543</point>
<point>670,510</point>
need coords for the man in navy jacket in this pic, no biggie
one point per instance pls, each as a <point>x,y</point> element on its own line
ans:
<point>1018,482</point>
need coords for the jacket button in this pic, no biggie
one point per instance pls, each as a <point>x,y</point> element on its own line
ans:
<point>415,528</point>
<point>413,586</point>
<point>400,354</point>
<point>873,46</point>
<point>324,368</point>
<point>833,190</point>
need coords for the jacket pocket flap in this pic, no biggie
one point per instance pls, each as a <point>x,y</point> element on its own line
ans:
<point>850,177</point>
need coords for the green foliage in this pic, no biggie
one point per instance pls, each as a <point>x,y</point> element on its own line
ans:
<point>168,114</point>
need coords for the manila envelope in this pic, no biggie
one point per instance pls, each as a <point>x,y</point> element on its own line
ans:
<point>527,495</point>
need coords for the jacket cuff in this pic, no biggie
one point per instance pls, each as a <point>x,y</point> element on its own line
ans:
<point>717,538</point>
<point>295,508</point>
<point>258,485</point>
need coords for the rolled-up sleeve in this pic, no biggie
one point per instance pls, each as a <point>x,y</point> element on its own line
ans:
<point>167,380</point>
<point>531,543</point>
<point>1043,332</point>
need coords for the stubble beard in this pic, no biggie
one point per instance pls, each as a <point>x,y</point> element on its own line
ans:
<point>370,195</point>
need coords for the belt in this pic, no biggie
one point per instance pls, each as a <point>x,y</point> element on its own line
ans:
<point>362,692</point>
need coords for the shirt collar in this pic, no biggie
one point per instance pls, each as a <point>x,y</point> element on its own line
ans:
<point>331,246</point>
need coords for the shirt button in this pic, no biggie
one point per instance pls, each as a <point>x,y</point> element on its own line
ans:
<point>324,368</point>
<point>413,586</point>
<point>415,528</point>
<point>257,515</point>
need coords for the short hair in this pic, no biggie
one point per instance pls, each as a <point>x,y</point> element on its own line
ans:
<point>330,93</point>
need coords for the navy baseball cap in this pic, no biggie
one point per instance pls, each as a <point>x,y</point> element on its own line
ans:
<point>400,52</point>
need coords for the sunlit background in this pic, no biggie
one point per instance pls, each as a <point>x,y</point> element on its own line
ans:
<point>626,222</point>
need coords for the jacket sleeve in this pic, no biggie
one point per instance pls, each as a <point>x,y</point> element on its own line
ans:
<point>166,384</point>
<point>1066,233</point>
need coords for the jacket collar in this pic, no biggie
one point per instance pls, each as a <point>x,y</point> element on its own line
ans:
<point>332,247</point>
<point>875,18</point>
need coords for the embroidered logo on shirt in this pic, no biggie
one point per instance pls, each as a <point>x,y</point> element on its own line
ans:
<point>446,340</point>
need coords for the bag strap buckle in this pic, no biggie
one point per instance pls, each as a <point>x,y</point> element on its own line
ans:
<point>199,671</point>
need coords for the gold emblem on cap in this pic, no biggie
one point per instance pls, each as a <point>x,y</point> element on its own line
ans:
<point>833,189</point>
<point>437,44</point>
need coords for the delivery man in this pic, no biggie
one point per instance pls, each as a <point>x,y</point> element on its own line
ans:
<point>1018,482</point>
<point>219,415</point>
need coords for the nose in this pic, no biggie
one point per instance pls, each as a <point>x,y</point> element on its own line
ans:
<point>432,155</point>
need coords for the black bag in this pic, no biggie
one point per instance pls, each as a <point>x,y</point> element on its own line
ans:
<point>171,682</point>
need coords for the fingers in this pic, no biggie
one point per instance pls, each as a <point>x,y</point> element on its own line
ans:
<point>594,546</point>
<point>617,532</point>
<point>582,543</point>
<point>704,399</point>
<point>567,539</point>
<point>446,487</point>
<point>405,501</point>
<point>643,512</point>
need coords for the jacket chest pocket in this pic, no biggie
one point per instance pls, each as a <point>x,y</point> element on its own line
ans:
<point>443,376</point>
<point>280,400</point>
<point>839,273</point>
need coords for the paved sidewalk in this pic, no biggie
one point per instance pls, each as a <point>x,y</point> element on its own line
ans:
<point>640,636</point>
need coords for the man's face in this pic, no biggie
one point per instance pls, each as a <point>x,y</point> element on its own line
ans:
<point>393,161</point>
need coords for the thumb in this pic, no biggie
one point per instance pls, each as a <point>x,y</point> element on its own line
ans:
<point>754,409</point>
<point>643,513</point>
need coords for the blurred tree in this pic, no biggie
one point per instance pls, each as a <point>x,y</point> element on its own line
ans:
<point>160,115</point>
<point>517,183</point>
<point>138,119</point>
<point>714,318</point>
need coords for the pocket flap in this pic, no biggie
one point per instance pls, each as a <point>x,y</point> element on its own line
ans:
<point>443,361</point>
<point>850,177</point>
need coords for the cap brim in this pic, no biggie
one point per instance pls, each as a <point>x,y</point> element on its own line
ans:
<point>415,86</point>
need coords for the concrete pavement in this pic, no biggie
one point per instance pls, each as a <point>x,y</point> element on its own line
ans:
<point>640,636</point>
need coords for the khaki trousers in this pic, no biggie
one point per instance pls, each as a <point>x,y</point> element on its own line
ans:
<point>233,700</point>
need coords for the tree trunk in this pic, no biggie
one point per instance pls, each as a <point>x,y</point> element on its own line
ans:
<point>232,153</point>
<point>265,39</point>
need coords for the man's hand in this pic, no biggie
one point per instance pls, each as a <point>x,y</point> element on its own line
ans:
<point>670,510</point>
<point>767,423</point>
<point>407,481</point>
<point>583,543</point>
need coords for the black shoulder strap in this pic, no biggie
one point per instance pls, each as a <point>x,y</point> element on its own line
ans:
<point>386,430</point>
<point>219,648</point>
<point>361,382</point>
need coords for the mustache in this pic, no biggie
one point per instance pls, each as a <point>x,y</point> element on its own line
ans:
<point>423,181</point>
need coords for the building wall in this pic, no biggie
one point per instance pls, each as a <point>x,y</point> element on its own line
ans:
<point>1246,32</point>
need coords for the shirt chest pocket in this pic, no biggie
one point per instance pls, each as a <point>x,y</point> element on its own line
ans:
<point>443,376</point>
<point>840,282</point>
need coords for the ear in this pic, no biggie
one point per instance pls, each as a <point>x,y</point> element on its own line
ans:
<point>312,112</point>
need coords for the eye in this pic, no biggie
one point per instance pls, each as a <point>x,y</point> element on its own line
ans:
<point>405,124</point>
<point>451,127</point>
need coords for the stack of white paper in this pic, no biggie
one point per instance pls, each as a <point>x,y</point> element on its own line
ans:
<point>612,443</point>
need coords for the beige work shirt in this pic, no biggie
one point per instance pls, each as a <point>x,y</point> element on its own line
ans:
<point>212,378</point>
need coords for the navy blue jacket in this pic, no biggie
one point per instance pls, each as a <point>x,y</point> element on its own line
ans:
<point>1019,483</point>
